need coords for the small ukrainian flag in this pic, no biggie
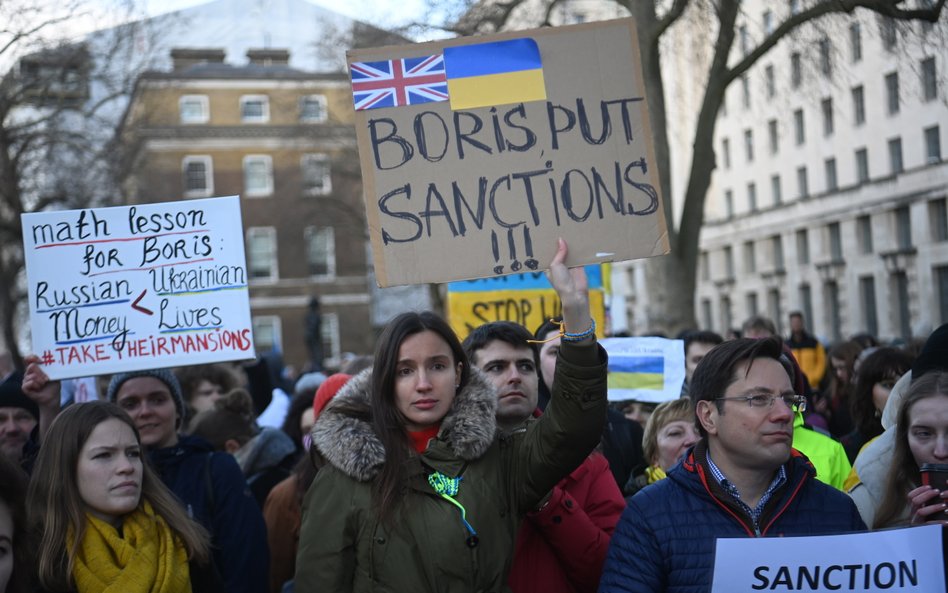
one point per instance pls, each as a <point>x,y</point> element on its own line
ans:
<point>496,73</point>
<point>637,372</point>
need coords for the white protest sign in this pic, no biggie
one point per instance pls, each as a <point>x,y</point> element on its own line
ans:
<point>895,560</point>
<point>136,287</point>
<point>645,369</point>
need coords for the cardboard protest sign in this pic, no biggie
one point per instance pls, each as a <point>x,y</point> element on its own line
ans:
<point>904,560</point>
<point>137,287</point>
<point>527,299</point>
<point>477,153</point>
<point>645,369</point>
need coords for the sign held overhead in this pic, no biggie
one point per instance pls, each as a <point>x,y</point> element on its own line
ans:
<point>477,153</point>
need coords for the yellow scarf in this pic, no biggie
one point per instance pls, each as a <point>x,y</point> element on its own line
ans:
<point>147,558</point>
<point>654,474</point>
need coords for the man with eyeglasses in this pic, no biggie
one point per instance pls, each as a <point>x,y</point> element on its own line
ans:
<point>742,479</point>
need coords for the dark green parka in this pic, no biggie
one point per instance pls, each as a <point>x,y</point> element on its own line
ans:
<point>344,548</point>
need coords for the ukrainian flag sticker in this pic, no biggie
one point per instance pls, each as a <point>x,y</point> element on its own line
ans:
<point>496,73</point>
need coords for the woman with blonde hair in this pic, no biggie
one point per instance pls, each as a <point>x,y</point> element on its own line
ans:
<point>103,520</point>
<point>669,432</point>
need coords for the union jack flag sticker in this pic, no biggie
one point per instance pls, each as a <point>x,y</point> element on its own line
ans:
<point>394,83</point>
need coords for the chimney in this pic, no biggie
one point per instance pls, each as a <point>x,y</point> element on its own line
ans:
<point>269,57</point>
<point>182,58</point>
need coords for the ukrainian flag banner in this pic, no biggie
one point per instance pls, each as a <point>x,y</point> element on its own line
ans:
<point>496,73</point>
<point>645,369</point>
<point>637,372</point>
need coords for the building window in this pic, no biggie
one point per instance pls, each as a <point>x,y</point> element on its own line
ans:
<point>806,302</point>
<point>744,38</point>
<point>320,250</point>
<point>768,22</point>
<point>826,55</point>
<point>903,227</point>
<point>892,93</point>
<point>317,179</point>
<point>867,292</point>
<point>745,92</point>
<point>752,197</point>
<point>728,262</point>
<point>803,247</point>
<point>864,234</point>
<point>829,167</point>
<point>254,109</point>
<point>796,70</point>
<point>831,309</point>
<point>862,165</point>
<point>835,241</point>
<point>726,152</point>
<point>932,145</point>
<point>855,41</point>
<point>726,319</point>
<point>775,191</point>
<point>750,258</point>
<point>929,80</point>
<point>888,32</point>
<point>799,132</point>
<point>774,309</point>
<point>859,106</point>
<point>705,266</point>
<point>194,109</point>
<point>773,136</point>
<point>826,106</point>
<point>258,175</point>
<point>750,300</point>
<point>803,185</point>
<point>895,155</point>
<point>706,317</point>
<point>794,7</point>
<point>769,81</point>
<point>900,290</point>
<point>313,109</point>
<point>198,174</point>
<point>262,253</point>
<point>728,204</point>
<point>938,218</point>
<point>332,348</point>
<point>267,334</point>
<point>941,278</point>
<point>749,145</point>
<point>776,248</point>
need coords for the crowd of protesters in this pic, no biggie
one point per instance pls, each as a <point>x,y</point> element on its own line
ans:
<point>496,464</point>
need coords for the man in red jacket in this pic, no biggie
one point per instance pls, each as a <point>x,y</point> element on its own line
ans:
<point>561,546</point>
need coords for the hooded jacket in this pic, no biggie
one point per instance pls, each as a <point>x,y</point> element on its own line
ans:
<point>427,548</point>
<point>213,491</point>
<point>665,539</point>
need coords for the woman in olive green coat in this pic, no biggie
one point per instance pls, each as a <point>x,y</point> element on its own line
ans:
<point>420,493</point>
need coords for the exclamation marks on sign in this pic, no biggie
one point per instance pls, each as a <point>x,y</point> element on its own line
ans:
<point>515,265</point>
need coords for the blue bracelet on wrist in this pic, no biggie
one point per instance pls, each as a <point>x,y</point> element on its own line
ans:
<point>568,337</point>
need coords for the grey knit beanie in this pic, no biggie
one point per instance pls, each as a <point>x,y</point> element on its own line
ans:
<point>163,375</point>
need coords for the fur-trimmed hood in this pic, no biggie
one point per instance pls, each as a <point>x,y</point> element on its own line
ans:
<point>350,444</point>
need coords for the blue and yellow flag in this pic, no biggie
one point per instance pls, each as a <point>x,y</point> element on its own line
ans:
<point>496,73</point>
<point>637,372</point>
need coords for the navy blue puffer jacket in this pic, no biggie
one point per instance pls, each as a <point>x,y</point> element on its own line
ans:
<point>665,540</point>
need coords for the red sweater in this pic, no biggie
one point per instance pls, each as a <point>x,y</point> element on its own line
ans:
<point>561,549</point>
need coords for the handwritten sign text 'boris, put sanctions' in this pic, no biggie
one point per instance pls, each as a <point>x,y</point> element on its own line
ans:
<point>134,287</point>
<point>477,153</point>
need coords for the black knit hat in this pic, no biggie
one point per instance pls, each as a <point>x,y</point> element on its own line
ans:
<point>934,354</point>
<point>12,396</point>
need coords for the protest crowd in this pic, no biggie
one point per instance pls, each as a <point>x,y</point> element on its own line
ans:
<point>495,463</point>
